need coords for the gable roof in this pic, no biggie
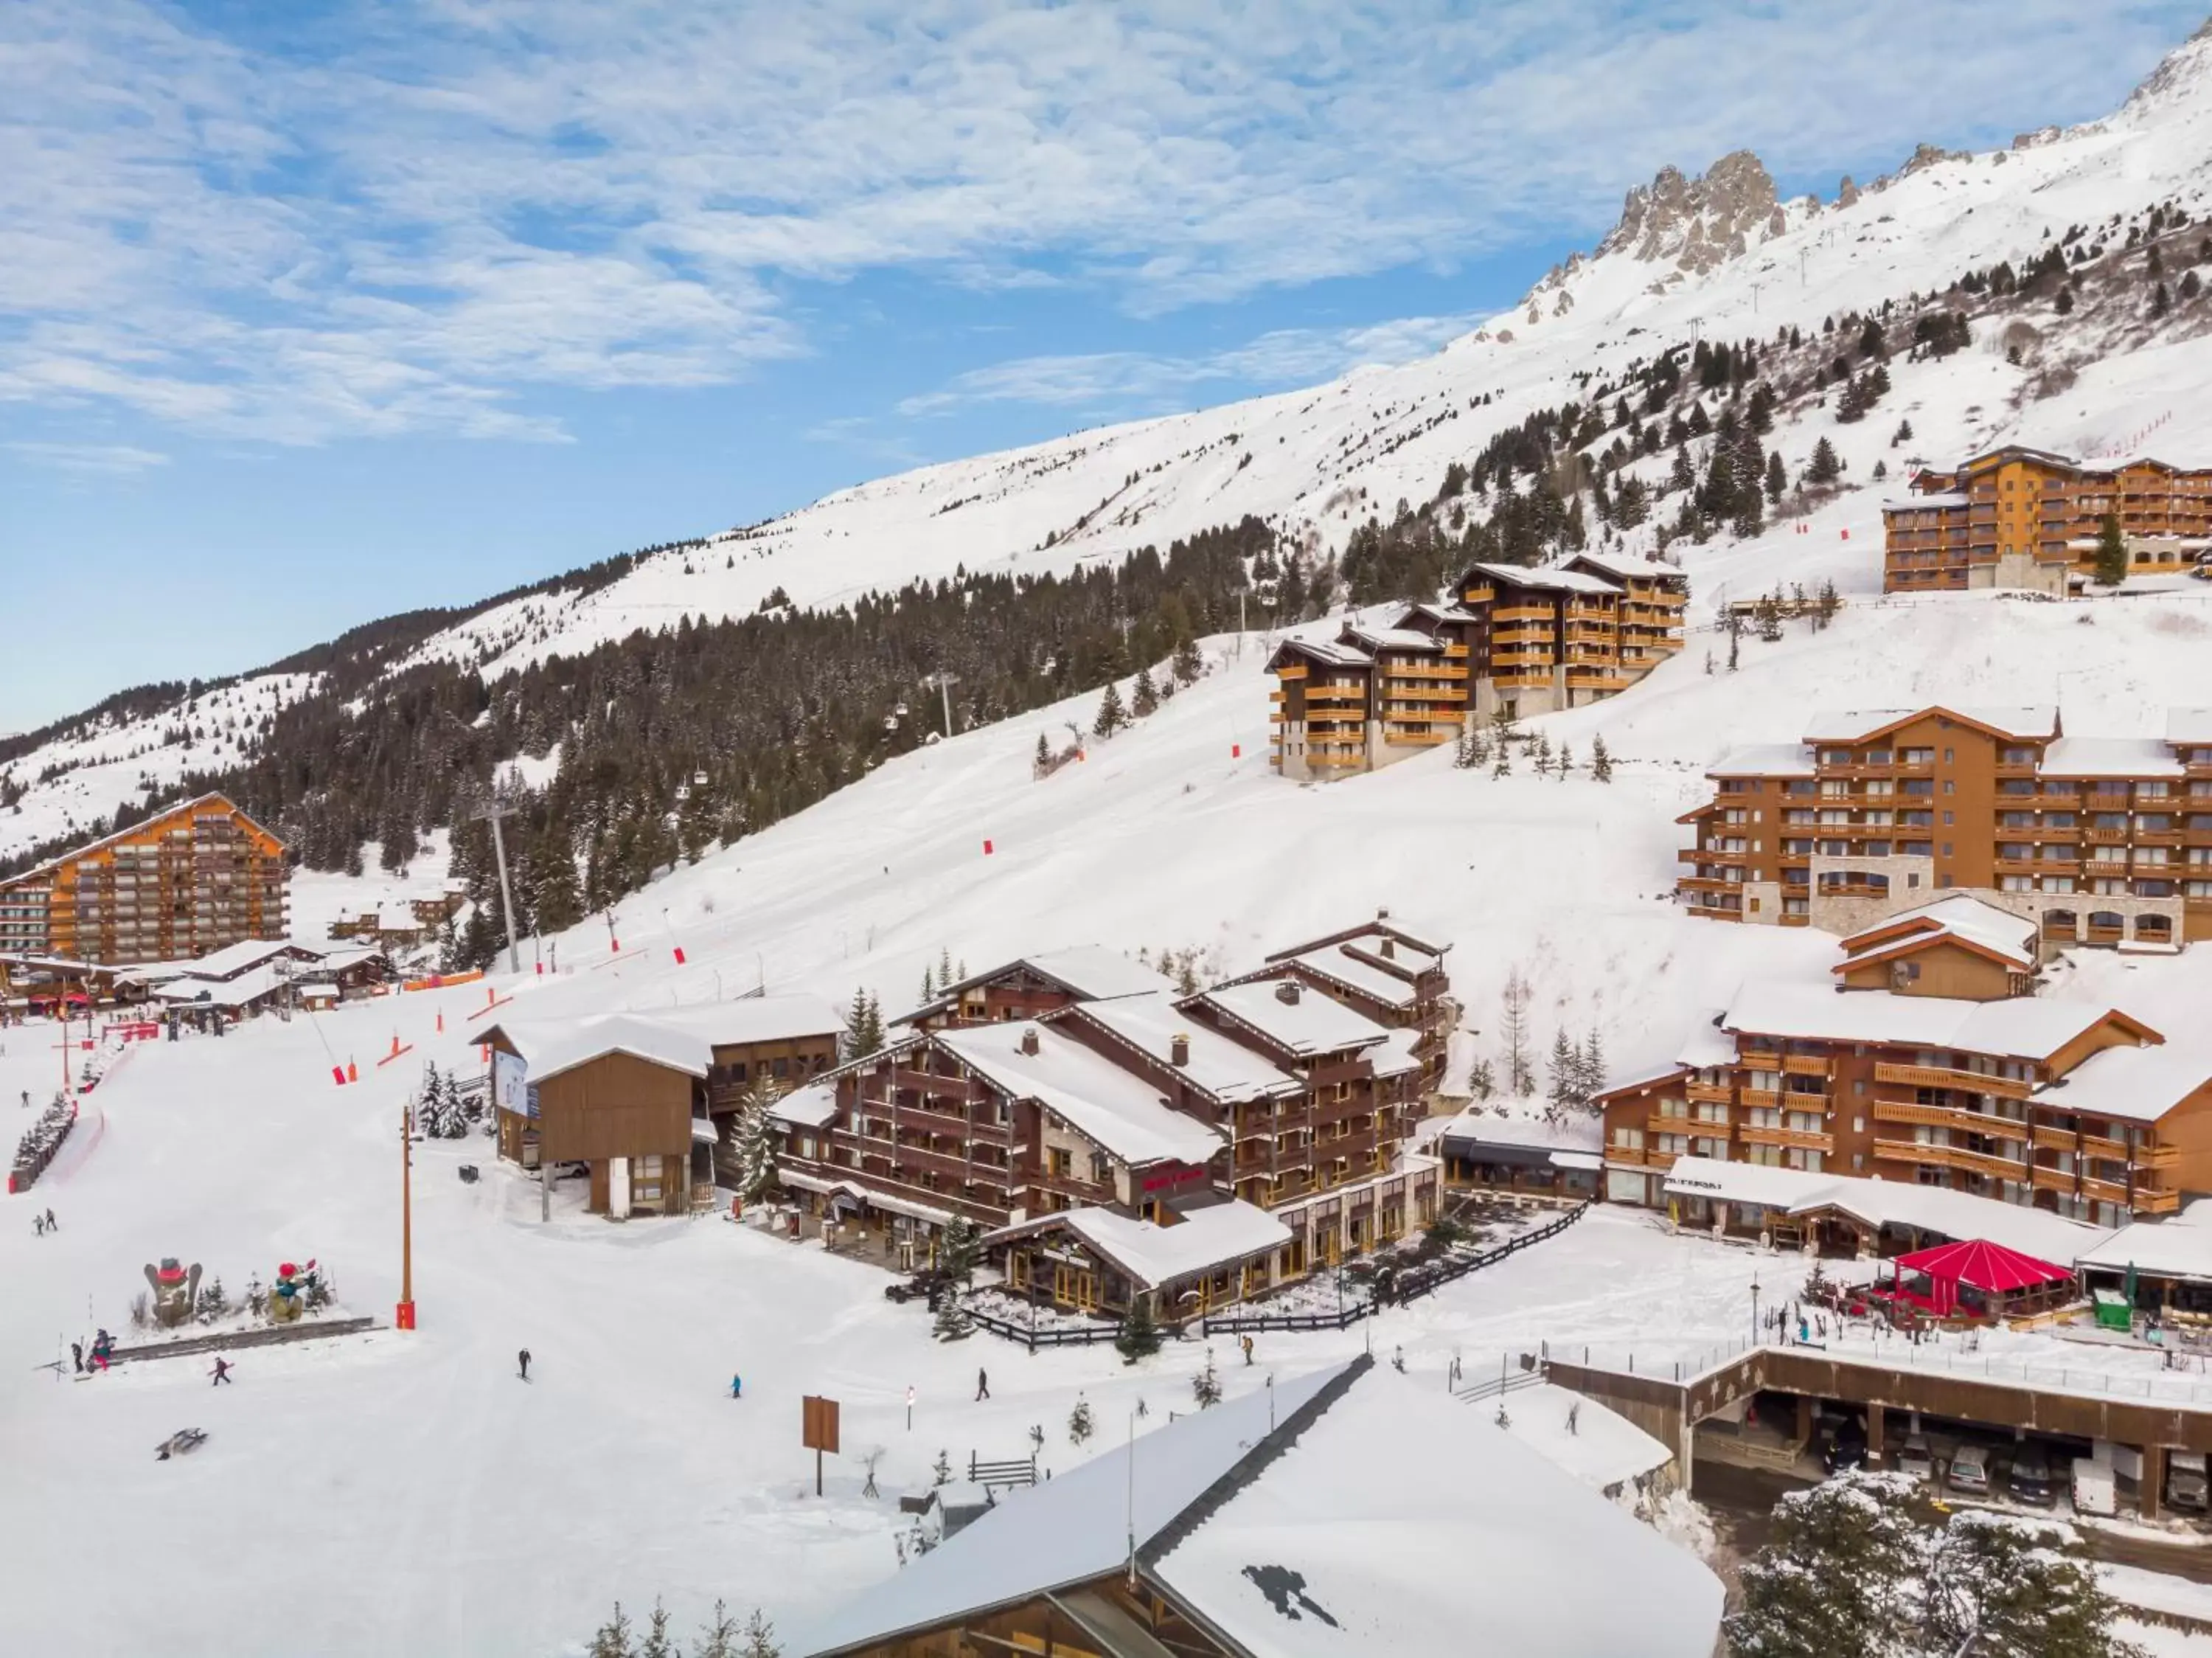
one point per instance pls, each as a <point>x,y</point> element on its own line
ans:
<point>2023,1027</point>
<point>182,808</point>
<point>1114,1109</point>
<point>2136,1085</point>
<point>1352,1481</point>
<point>550,1046</point>
<point>1765,759</point>
<point>1627,565</point>
<point>1329,653</point>
<point>1547,578</point>
<point>2017,723</point>
<point>1981,926</point>
<point>1089,972</point>
<point>2109,757</point>
<point>1428,940</point>
<point>1203,1240</point>
<point>1312,1024</point>
<point>1220,1067</point>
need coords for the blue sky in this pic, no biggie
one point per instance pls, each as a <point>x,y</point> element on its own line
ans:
<point>314,312</point>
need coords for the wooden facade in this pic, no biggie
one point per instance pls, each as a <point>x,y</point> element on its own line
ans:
<point>186,881</point>
<point>2017,517</point>
<point>1974,1120</point>
<point>1389,948</point>
<point>627,1117</point>
<point>2099,841</point>
<point>1519,640</point>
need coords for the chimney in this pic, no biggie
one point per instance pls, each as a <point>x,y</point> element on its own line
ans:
<point>1286,992</point>
<point>1179,1050</point>
<point>1390,949</point>
<point>1030,1040</point>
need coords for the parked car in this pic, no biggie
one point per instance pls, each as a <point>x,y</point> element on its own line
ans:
<point>1914,1458</point>
<point>1969,1470</point>
<point>2185,1486</point>
<point>2030,1479</point>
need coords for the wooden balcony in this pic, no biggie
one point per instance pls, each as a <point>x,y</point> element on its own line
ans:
<point>1760,1058</point>
<point>1805,1064</point>
<point>1958,1157</point>
<point>2098,1145</point>
<point>1944,1076</point>
<point>1710,1092</point>
<point>2047,1138</point>
<point>1951,1117</point>
<point>2166,1156</point>
<point>2155,1200</point>
<point>1796,1138</point>
<point>2103,1192</point>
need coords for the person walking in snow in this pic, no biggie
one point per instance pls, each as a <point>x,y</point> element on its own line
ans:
<point>523,1360</point>
<point>51,1226</point>
<point>221,1372</point>
<point>1246,1345</point>
<point>38,1223</point>
<point>982,1386</point>
<point>76,1356</point>
<point>736,1386</point>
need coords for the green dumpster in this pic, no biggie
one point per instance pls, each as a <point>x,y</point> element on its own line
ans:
<point>2112,1311</point>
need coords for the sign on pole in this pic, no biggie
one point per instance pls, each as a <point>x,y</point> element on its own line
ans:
<point>818,1431</point>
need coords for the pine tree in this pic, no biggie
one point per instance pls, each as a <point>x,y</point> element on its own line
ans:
<point>1566,761</point>
<point>1902,434</point>
<point>2161,300</point>
<point>1111,716</point>
<point>954,1322</point>
<point>2191,286</point>
<point>1206,1386</point>
<point>1601,760</point>
<point>2111,552</point>
<point>1837,1574</point>
<point>657,1643</point>
<point>1778,480</point>
<point>1187,664</point>
<point>928,983</point>
<point>2064,303</point>
<point>754,1137</point>
<point>612,1640</point>
<point>1829,603</point>
<point>940,1472</point>
<point>1543,755</point>
<point>1825,467</point>
<point>1140,1336</point>
<point>1593,1077</point>
<point>945,976</point>
<point>1080,1425</point>
<point>1043,761</point>
<point>1563,1070</point>
<point>760,1638</point>
<point>1146,698</point>
<point>962,1246</point>
<point>1767,615</point>
<point>1482,1080</point>
<point>718,1638</point>
<point>2017,1586</point>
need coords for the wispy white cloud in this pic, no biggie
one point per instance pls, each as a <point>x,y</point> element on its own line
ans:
<point>418,216</point>
<point>1136,382</point>
<point>105,458</point>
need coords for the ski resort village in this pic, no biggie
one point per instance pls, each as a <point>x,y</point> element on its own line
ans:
<point>1302,1028</point>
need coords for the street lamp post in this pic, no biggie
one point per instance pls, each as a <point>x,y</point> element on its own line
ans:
<point>405,1316</point>
<point>1754,1307</point>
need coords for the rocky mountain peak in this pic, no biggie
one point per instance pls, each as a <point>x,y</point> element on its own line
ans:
<point>1693,224</point>
<point>2180,73</point>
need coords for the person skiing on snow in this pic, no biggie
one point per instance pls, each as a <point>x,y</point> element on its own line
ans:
<point>736,1386</point>
<point>221,1373</point>
<point>51,1226</point>
<point>522,1358</point>
<point>982,1386</point>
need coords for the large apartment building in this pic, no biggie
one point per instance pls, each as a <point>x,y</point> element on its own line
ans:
<point>1526,640</point>
<point>2072,1106</point>
<point>1196,1148</point>
<point>2099,840</point>
<point>2017,517</point>
<point>188,880</point>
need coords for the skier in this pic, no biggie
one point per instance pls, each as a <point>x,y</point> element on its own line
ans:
<point>982,1386</point>
<point>38,1223</point>
<point>76,1356</point>
<point>523,1359</point>
<point>736,1386</point>
<point>221,1372</point>
<point>51,1226</point>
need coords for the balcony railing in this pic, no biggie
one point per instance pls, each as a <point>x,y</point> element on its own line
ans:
<point>1951,1117</point>
<point>1796,1138</point>
<point>1945,1076</point>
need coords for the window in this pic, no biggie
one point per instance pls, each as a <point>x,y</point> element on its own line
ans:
<point>1950,757</point>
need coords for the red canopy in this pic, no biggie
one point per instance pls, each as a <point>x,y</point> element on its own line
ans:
<point>1990,1268</point>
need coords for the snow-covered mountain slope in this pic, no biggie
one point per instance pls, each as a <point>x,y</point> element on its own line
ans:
<point>1718,258</point>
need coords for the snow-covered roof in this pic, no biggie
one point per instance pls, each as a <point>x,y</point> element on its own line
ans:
<point>2136,1085</point>
<point>1311,1023</point>
<point>814,1105</point>
<point>1959,917</point>
<point>2109,757</point>
<point>1336,1492</point>
<point>1113,1108</point>
<point>1415,948</point>
<point>1581,1133</point>
<point>1957,1215</point>
<point>338,957</point>
<point>1394,1524</point>
<point>242,990</point>
<point>2179,1247</point>
<point>1765,759</point>
<point>1396,638</point>
<point>1331,652</point>
<point>1548,578</point>
<point>1340,966</point>
<point>2189,726</point>
<point>1089,973</point>
<point>550,1046</point>
<point>1708,1044</point>
<point>1202,1242</point>
<point>246,953</point>
<point>1394,1055</point>
<point>1218,1065</point>
<point>755,1019</point>
<point>1931,502</point>
<point>1628,565</point>
<point>2022,1027</point>
<point>2040,721</point>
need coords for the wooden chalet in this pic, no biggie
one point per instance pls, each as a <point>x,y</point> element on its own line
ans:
<point>1958,946</point>
<point>1031,986</point>
<point>1393,974</point>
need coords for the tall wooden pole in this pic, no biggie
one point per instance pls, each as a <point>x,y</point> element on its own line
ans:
<point>405,1320</point>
